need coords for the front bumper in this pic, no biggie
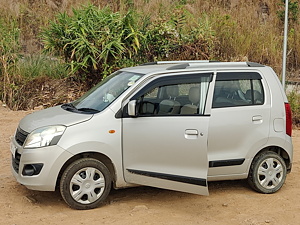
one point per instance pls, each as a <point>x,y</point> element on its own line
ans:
<point>51,159</point>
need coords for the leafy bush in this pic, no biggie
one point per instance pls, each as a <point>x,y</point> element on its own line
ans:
<point>293,8</point>
<point>294,100</point>
<point>92,39</point>
<point>177,35</point>
<point>161,38</point>
<point>94,42</point>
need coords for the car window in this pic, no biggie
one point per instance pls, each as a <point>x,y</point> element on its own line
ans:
<point>103,94</point>
<point>239,90</point>
<point>174,96</point>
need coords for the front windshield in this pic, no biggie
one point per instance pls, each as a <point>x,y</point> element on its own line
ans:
<point>100,96</point>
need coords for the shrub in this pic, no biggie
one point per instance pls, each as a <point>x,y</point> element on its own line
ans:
<point>177,34</point>
<point>294,100</point>
<point>92,39</point>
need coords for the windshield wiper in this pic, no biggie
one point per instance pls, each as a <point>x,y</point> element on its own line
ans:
<point>88,110</point>
<point>72,108</point>
<point>69,107</point>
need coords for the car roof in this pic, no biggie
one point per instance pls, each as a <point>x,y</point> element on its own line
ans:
<point>169,66</point>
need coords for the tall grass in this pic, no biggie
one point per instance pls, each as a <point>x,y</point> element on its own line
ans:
<point>17,70</point>
<point>33,66</point>
<point>244,30</point>
<point>9,47</point>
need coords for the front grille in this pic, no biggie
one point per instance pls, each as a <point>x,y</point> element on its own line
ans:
<point>21,136</point>
<point>16,161</point>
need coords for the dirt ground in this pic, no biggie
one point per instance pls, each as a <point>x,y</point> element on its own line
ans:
<point>230,202</point>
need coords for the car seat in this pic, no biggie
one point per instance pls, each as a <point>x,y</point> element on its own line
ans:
<point>194,97</point>
<point>170,105</point>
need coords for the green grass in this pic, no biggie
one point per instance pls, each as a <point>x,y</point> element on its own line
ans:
<point>32,66</point>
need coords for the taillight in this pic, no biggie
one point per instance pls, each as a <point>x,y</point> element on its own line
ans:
<point>288,119</point>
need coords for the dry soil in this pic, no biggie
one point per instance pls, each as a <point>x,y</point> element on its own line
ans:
<point>230,202</point>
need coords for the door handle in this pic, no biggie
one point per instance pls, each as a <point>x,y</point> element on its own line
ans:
<point>257,119</point>
<point>191,132</point>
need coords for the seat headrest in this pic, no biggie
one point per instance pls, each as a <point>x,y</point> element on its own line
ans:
<point>172,91</point>
<point>194,95</point>
<point>256,95</point>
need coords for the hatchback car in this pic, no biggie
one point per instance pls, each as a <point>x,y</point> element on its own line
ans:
<point>173,124</point>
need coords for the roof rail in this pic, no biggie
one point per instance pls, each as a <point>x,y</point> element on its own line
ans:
<point>219,64</point>
<point>254,64</point>
<point>179,66</point>
<point>183,64</point>
<point>222,64</point>
<point>177,62</point>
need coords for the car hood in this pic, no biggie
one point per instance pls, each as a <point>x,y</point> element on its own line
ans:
<point>52,116</point>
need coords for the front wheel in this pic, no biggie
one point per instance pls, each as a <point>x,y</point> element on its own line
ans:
<point>85,184</point>
<point>267,173</point>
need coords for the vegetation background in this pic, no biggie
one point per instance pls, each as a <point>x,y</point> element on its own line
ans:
<point>51,51</point>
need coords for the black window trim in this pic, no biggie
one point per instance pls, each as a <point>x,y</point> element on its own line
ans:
<point>224,76</point>
<point>169,80</point>
<point>164,81</point>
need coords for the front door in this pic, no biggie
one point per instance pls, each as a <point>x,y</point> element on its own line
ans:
<point>165,145</point>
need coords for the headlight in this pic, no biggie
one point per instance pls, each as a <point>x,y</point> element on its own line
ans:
<point>44,136</point>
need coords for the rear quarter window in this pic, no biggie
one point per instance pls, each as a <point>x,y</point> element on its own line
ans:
<point>238,89</point>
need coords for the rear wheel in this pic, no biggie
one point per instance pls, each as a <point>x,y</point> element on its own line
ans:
<point>267,173</point>
<point>85,184</point>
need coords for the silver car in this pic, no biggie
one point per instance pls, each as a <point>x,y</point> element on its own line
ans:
<point>173,124</point>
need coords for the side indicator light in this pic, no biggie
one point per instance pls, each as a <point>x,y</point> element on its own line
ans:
<point>111,131</point>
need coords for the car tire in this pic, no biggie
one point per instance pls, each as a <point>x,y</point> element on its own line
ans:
<point>267,172</point>
<point>85,184</point>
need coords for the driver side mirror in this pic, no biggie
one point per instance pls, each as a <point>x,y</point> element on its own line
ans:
<point>132,108</point>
